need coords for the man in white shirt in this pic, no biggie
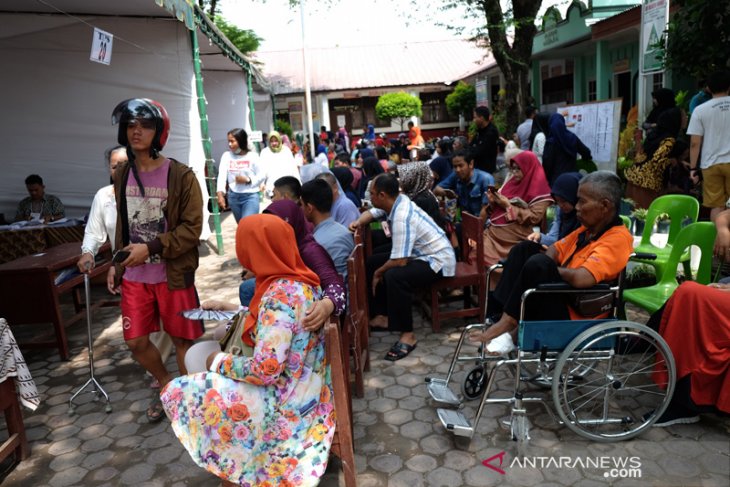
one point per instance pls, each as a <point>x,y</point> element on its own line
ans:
<point>420,255</point>
<point>710,130</point>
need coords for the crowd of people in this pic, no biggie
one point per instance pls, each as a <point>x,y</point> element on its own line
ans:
<point>267,416</point>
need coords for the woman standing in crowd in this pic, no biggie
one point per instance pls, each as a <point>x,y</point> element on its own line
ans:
<point>561,149</point>
<point>539,134</point>
<point>240,169</point>
<point>646,178</point>
<point>277,161</point>
<point>518,206</point>
<point>266,419</point>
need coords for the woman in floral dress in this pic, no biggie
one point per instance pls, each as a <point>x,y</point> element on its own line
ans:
<point>265,420</point>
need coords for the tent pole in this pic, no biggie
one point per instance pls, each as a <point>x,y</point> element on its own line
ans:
<point>251,108</point>
<point>207,145</point>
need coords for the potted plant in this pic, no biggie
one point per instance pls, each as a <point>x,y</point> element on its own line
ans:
<point>627,205</point>
<point>662,223</point>
<point>641,275</point>
<point>639,217</point>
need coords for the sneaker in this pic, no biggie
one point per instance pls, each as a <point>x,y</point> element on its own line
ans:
<point>674,416</point>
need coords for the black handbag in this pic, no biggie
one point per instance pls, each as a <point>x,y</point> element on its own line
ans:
<point>592,304</point>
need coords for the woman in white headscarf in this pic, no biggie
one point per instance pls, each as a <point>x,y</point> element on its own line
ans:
<point>278,161</point>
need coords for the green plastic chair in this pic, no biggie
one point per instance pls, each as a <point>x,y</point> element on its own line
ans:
<point>651,298</point>
<point>679,207</point>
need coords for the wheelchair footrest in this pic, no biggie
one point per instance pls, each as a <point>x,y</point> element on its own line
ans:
<point>455,421</point>
<point>440,392</point>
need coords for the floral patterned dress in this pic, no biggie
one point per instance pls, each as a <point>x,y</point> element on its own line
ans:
<point>266,420</point>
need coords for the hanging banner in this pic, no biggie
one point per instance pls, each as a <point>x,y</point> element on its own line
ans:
<point>654,18</point>
<point>101,47</point>
<point>481,89</point>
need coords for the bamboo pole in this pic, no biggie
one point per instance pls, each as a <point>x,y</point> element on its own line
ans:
<point>207,144</point>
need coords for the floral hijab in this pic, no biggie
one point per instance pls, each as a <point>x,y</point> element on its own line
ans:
<point>265,245</point>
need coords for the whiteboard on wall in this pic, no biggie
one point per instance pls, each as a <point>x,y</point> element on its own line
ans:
<point>597,125</point>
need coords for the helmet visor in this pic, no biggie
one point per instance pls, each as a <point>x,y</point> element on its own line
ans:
<point>136,108</point>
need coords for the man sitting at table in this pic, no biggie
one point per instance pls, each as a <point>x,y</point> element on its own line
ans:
<point>39,205</point>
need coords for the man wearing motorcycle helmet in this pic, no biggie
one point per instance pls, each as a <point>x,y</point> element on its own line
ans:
<point>159,222</point>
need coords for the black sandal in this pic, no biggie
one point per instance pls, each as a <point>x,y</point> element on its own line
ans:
<point>399,350</point>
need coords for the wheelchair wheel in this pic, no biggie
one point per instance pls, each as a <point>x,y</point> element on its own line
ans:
<point>474,382</point>
<point>607,396</point>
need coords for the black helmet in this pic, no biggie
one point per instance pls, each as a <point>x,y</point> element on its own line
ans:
<point>146,109</point>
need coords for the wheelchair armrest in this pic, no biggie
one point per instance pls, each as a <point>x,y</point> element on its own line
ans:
<point>643,256</point>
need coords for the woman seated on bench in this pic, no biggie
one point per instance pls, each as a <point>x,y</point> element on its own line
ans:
<point>596,252</point>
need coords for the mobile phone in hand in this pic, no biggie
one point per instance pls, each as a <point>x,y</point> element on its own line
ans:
<point>492,188</point>
<point>120,256</point>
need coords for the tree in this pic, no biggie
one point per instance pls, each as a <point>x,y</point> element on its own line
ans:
<point>245,40</point>
<point>689,49</point>
<point>462,100</point>
<point>512,52</point>
<point>398,106</point>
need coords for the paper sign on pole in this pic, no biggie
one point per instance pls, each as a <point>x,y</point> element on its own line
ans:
<point>256,136</point>
<point>654,17</point>
<point>101,47</point>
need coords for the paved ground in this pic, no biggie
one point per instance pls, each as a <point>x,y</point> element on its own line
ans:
<point>399,440</point>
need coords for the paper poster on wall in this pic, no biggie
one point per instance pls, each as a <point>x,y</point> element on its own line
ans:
<point>256,136</point>
<point>597,125</point>
<point>481,91</point>
<point>101,47</point>
<point>341,121</point>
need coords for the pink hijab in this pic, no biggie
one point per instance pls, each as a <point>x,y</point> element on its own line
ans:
<point>533,187</point>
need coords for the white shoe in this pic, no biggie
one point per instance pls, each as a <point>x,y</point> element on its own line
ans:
<point>502,345</point>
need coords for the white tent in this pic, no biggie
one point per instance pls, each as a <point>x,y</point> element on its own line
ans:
<point>57,104</point>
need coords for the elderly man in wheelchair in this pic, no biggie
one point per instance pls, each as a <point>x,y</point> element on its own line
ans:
<point>599,369</point>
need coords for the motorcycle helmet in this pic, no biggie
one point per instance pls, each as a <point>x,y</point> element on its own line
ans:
<point>143,108</point>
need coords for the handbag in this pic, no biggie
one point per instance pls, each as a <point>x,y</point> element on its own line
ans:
<point>232,341</point>
<point>592,304</point>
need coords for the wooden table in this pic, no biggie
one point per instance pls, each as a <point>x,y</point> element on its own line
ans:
<point>28,294</point>
<point>32,240</point>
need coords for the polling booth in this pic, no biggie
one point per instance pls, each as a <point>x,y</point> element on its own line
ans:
<point>66,65</point>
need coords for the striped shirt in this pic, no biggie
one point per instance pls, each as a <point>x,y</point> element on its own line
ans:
<point>415,235</point>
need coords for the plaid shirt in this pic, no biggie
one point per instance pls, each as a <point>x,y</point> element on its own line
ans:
<point>415,235</point>
<point>51,206</point>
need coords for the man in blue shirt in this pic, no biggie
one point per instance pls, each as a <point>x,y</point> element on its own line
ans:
<point>335,238</point>
<point>466,183</point>
<point>343,210</point>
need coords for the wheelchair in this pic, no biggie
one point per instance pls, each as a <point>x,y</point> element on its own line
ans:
<point>600,373</point>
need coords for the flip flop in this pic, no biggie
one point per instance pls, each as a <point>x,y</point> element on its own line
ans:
<point>399,350</point>
<point>155,411</point>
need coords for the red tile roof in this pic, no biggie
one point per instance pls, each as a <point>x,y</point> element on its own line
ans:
<point>353,67</point>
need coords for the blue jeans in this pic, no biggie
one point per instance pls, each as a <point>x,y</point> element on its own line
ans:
<point>246,291</point>
<point>243,204</point>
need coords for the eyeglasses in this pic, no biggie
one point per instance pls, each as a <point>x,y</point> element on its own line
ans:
<point>514,168</point>
<point>141,122</point>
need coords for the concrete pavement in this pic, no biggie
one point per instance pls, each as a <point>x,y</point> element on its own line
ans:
<point>398,438</point>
